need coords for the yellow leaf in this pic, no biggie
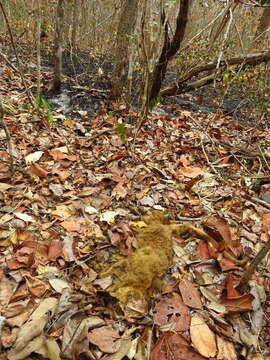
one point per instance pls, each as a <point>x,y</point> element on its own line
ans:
<point>53,349</point>
<point>202,337</point>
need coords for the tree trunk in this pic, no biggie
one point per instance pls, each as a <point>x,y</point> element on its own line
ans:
<point>38,12</point>
<point>263,25</point>
<point>170,48</point>
<point>58,44</point>
<point>75,23</point>
<point>125,31</point>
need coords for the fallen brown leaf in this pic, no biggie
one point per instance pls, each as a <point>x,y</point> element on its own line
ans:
<point>203,339</point>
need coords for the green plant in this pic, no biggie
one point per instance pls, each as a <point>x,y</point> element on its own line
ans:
<point>157,100</point>
<point>42,103</point>
<point>121,131</point>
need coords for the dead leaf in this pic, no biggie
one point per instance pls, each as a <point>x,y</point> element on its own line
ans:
<point>72,226</point>
<point>33,157</point>
<point>23,353</point>
<point>173,312</point>
<point>35,325</point>
<point>219,229</point>
<point>8,336</point>
<point>63,211</point>
<point>58,285</point>
<point>190,294</point>
<point>109,216</point>
<point>240,304</point>
<point>5,218</point>
<point>123,350</point>
<point>4,186</point>
<point>68,248</point>
<point>24,217</point>
<point>230,286</point>
<point>119,192</point>
<point>139,224</point>
<point>56,154</point>
<point>90,210</point>
<point>62,173</point>
<point>135,307</point>
<point>106,338</point>
<point>57,189</point>
<point>173,346</point>
<point>191,171</point>
<point>266,222</point>
<point>55,250</point>
<point>38,170</point>
<point>202,337</point>
<point>93,231</point>
<point>36,287</point>
<point>226,350</point>
<point>53,349</point>
<point>76,330</point>
<point>7,287</point>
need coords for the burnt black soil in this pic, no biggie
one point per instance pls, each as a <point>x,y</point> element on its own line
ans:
<point>87,86</point>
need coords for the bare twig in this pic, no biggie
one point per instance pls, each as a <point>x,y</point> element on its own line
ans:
<point>242,287</point>
<point>181,84</point>
<point>264,159</point>
<point>2,123</point>
<point>28,92</point>
<point>3,56</point>
<point>207,159</point>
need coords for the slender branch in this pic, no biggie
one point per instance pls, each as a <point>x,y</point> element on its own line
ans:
<point>28,92</point>
<point>2,122</point>
<point>242,287</point>
<point>3,56</point>
<point>179,86</point>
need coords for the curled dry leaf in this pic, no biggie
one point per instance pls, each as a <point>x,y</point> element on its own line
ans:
<point>35,325</point>
<point>58,285</point>
<point>240,304</point>
<point>231,284</point>
<point>219,229</point>
<point>53,349</point>
<point>226,350</point>
<point>38,170</point>
<point>33,346</point>
<point>202,337</point>
<point>7,287</point>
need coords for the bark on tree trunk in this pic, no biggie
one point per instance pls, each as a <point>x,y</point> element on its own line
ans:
<point>125,31</point>
<point>75,23</point>
<point>170,48</point>
<point>263,24</point>
<point>38,47</point>
<point>58,44</point>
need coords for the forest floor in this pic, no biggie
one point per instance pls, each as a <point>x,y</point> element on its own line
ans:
<point>76,196</point>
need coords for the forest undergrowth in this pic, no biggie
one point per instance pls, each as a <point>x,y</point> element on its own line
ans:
<point>76,189</point>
